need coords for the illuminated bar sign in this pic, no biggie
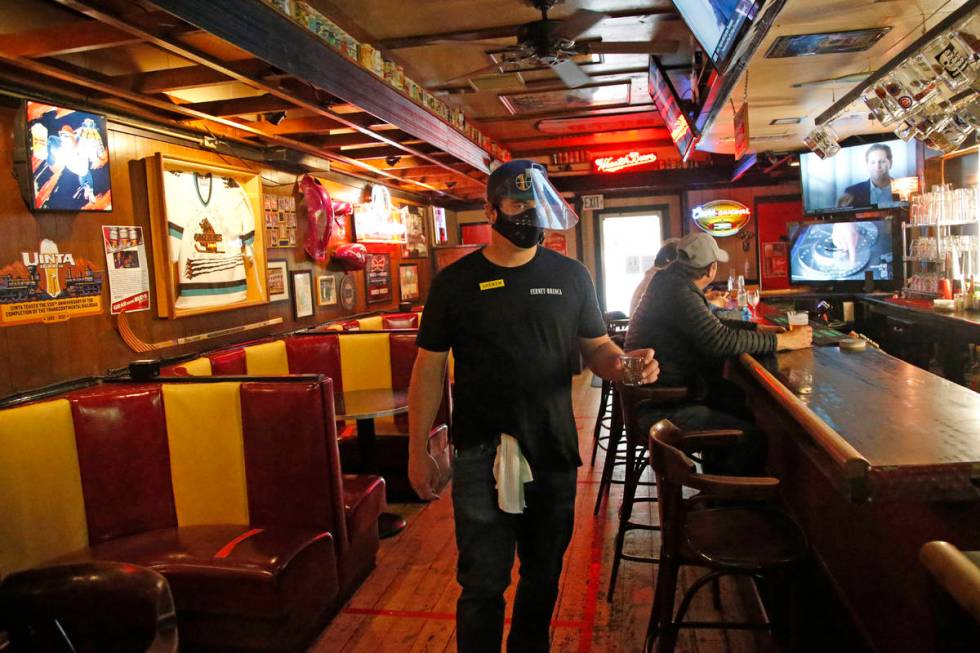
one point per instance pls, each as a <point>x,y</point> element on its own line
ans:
<point>721,218</point>
<point>617,163</point>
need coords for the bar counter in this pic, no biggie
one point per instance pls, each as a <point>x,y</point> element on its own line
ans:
<point>876,457</point>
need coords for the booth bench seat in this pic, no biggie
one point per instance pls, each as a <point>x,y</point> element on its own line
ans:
<point>231,490</point>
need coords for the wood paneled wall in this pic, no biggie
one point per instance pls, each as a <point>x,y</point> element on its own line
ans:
<point>36,355</point>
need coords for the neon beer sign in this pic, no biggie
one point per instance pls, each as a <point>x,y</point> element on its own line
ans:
<point>617,163</point>
<point>721,218</point>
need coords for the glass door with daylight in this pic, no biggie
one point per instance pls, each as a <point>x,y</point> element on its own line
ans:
<point>629,243</point>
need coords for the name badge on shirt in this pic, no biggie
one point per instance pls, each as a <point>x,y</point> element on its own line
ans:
<point>490,285</point>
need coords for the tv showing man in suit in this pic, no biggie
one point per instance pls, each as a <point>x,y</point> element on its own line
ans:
<point>876,190</point>
<point>858,177</point>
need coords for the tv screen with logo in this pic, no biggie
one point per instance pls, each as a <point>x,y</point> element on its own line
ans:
<point>668,103</point>
<point>840,250</point>
<point>857,177</point>
<point>68,155</point>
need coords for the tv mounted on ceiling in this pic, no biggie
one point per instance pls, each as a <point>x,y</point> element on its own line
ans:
<point>858,177</point>
<point>718,25</point>
<point>68,159</point>
<point>662,91</point>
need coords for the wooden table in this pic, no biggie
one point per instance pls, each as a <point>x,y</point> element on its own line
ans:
<point>364,406</point>
<point>876,457</point>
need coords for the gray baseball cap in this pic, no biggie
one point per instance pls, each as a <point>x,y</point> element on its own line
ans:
<point>699,250</point>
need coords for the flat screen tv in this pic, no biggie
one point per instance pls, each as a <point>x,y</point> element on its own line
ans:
<point>668,103</point>
<point>68,158</point>
<point>857,177</point>
<point>717,25</point>
<point>840,252</point>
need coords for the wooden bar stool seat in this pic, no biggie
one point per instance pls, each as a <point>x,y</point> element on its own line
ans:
<point>731,527</point>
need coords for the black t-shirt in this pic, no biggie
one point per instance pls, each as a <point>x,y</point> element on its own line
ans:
<point>514,336</point>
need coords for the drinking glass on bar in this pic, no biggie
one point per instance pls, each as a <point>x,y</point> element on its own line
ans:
<point>753,299</point>
<point>797,319</point>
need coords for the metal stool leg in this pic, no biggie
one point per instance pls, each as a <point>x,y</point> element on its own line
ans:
<point>601,418</point>
<point>616,432</point>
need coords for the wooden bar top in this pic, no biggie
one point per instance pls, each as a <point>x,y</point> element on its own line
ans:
<point>922,309</point>
<point>913,434</point>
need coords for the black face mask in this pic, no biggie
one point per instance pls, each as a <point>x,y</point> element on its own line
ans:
<point>515,229</point>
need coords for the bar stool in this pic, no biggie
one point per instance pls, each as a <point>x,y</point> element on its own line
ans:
<point>957,606</point>
<point>718,529</point>
<point>634,458</point>
<point>96,606</point>
<point>614,328</point>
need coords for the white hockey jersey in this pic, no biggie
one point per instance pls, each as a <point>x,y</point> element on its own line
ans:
<point>212,231</point>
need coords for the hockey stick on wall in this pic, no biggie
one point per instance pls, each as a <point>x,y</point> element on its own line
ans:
<point>138,345</point>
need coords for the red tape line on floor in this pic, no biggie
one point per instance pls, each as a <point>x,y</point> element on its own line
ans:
<point>443,616</point>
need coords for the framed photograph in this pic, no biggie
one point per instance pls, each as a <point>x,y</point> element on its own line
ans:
<point>278,281</point>
<point>566,99</point>
<point>302,282</point>
<point>348,293</point>
<point>326,290</point>
<point>377,278</point>
<point>208,241</point>
<point>68,156</point>
<point>408,282</point>
<point>416,244</point>
<point>808,45</point>
<point>280,220</point>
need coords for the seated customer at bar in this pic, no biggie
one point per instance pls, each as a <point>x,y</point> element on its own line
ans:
<point>675,318</point>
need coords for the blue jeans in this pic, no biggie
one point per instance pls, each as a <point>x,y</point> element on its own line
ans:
<point>486,538</point>
<point>724,408</point>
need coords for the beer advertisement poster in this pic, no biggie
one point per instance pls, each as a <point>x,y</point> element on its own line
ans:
<point>69,159</point>
<point>49,285</point>
<point>129,274</point>
<point>378,278</point>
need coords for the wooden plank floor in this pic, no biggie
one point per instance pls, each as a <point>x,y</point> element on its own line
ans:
<point>407,605</point>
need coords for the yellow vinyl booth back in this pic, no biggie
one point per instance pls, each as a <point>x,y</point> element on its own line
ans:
<point>267,359</point>
<point>365,361</point>
<point>207,457</point>
<point>371,323</point>
<point>42,511</point>
<point>198,367</point>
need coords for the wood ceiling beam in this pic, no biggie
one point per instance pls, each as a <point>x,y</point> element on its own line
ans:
<point>82,36</point>
<point>241,106</point>
<point>89,81</point>
<point>248,26</point>
<point>380,153</point>
<point>177,79</point>
<point>568,113</point>
<point>598,149</point>
<point>225,9</point>
<point>505,31</point>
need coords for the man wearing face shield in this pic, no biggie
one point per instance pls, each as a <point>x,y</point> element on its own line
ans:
<point>516,317</point>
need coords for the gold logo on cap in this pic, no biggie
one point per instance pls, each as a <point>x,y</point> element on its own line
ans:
<point>523,181</point>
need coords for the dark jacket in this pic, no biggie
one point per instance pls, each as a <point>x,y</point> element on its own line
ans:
<point>861,192</point>
<point>691,343</point>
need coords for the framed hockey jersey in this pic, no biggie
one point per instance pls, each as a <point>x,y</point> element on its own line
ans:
<point>209,251</point>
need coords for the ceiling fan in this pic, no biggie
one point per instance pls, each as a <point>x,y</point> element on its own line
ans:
<point>553,43</point>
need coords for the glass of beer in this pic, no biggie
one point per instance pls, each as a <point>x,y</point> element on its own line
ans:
<point>797,319</point>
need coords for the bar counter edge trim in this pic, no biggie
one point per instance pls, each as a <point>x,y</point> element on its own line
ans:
<point>851,462</point>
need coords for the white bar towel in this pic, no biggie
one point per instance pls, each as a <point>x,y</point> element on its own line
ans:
<point>511,471</point>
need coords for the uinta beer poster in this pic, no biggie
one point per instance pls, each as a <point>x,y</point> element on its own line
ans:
<point>48,285</point>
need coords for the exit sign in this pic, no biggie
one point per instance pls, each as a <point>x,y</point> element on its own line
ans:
<point>592,202</point>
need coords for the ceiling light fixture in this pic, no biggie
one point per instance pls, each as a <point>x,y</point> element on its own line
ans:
<point>392,160</point>
<point>786,121</point>
<point>274,117</point>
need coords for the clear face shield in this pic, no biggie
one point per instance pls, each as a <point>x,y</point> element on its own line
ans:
<point>530,200</point>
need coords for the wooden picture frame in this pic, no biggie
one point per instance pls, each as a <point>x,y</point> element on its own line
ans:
<point>326,290</point>
<point>348,293</point>
<point>408,282</point>
<point>277,274</point>
<point>208,252</point>
<point>302,290</point>
<point>377,278</point>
